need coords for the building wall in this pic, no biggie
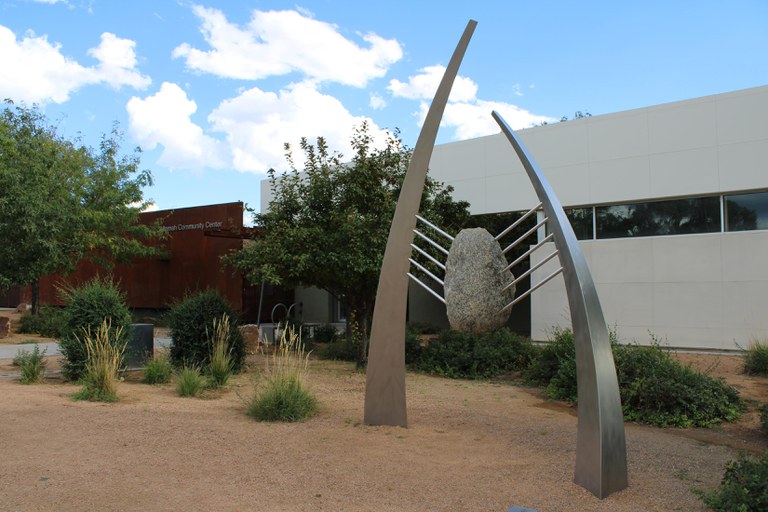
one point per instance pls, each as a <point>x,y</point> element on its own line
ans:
<point>696,291</point>
<point>192,261</point>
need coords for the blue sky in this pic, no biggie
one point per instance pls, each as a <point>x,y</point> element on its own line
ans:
<point>212,90</point>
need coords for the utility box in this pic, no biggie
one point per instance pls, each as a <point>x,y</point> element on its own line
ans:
<point>141,345</point>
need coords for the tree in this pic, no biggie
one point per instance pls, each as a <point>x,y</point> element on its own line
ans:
<point>327,225</point>
<point>61,201</point>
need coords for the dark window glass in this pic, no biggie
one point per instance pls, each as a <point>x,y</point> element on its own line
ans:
<point>745,212</point>
<point>674,217</point>
<point>581,222</point>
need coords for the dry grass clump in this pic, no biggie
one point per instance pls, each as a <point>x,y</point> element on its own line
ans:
<point>104,359</point>
<point>282,393</point>
<point>221,365</point>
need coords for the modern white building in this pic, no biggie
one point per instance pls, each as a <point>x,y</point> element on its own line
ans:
<point>671,206</point>
<point>670,203</point>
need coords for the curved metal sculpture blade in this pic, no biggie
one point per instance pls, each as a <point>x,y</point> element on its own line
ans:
<point>385,377</point>
<point>601,453</point>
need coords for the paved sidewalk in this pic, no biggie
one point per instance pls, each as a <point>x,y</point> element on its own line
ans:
<point>52,349</point>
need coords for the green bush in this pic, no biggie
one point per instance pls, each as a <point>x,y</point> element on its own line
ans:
<point>474,356</point>
<point>87,307</point>
<point>655,388</point>
<point>158,370</point>
<point>764,417</point>
<point>32,365</point>
<point>744,487</point>
<point>339,349</point>
<point>325,334</point>
<point>189,382</point>
<point>756,359</point>
<point>49,322</point>
<point>658,390</point>
<point>191,319</point>
<point>547,359</point>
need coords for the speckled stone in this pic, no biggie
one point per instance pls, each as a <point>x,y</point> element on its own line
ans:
<point>474,281</point>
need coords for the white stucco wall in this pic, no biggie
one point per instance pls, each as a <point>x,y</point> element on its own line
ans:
<point>695,291</point>
<point>706,291</point>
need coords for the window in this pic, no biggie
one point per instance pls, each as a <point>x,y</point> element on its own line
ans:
<point>746,212</point>
<point>675,217</point>
<point>581,222</point>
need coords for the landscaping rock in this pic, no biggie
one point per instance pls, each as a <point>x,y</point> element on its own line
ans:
<point>474,281</point>
<point>5,326</point>
<point>250,334</point>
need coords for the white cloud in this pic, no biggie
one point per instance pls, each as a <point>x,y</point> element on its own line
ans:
<point>469,116</point>
<point>282,42</point>
<point>165,119</point>
<point>35,71</point>
<point>377,102</point>
<point>424,85</point>
<point>471,120</point>
<point>117,60</point>
<point>257,124</point>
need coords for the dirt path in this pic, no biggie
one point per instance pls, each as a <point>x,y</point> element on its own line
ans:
<point>470,446</point>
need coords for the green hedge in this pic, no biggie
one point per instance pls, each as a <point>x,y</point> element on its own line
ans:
<point>191,329</point>
<point>86,307</point>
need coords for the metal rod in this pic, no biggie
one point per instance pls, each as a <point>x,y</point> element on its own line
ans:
<point>528,252</point>
<point>430,290</point>
<point>425,237</point>
<point>526,235</point>
<point>427,255</point>
<point>531,290</point>
<point>425,221</point>
<point>529,271</point>
<point>430,274</point>
<point>519,221</point>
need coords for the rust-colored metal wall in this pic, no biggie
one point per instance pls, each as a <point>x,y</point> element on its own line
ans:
<point>198,238</point>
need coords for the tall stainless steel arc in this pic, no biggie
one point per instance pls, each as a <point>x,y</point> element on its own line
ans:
<point>385,377</point>
<point>601,454</point>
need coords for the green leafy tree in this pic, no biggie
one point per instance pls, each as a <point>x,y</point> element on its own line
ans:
<point>61,201</point>
<point>327,225</point>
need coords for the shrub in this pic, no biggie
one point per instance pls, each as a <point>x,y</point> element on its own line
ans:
<point>756,359</point>
<point>220,367</point>
<point>655,388</point>
<point>190,320</point>
<point>158,370</point>
<point>49,322</point>
<point>658,390</point>
<point>474,356</point>
<point>32,365</point>
<point>764,417</point>
<point>326,334</point>
<point>282,395</point>
<point>104,357</point>
<point>189,382</point>
<point>547,359</point>
<point>339,350</point>
<point>87,308</point>
<point>744,486</point>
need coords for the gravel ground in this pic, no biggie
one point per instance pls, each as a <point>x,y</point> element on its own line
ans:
<point>470,446</point>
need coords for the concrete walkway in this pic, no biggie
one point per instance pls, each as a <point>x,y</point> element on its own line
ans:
<point>52,349</point>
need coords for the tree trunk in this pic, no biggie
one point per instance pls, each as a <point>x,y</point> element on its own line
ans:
<point>362,316</point>
<point>35,296</point>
